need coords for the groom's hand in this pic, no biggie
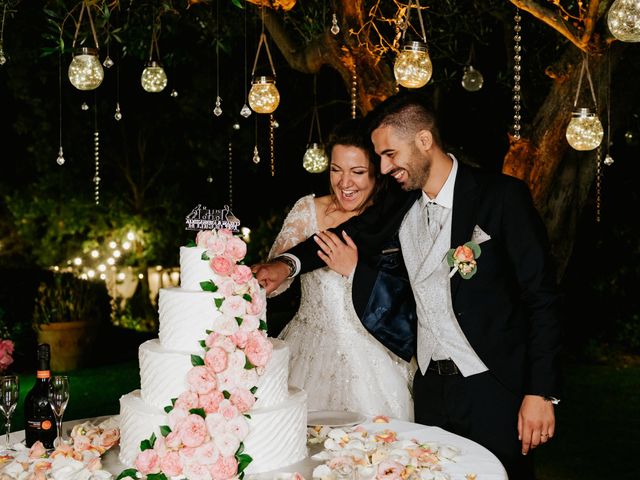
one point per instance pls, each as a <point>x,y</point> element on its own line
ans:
<point>536,422</point>
<point>270,275</point>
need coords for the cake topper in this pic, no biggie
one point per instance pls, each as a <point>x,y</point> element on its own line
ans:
<point>202,218</point>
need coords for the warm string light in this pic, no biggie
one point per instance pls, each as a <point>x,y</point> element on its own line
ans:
<point>315,159</point>
<point>517,69</point>
<point>623,20</point>
<point>584,131</point>
<point>413,68</point>
<point>85,69</point>
<point>263,96</point>
<point>154,78</point>
<point>354,91</point>
<point>272,126</point>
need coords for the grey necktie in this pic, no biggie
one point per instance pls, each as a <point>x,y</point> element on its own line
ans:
<point>434,212</point>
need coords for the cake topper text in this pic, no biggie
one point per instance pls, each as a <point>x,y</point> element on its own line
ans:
<point>202,218</point>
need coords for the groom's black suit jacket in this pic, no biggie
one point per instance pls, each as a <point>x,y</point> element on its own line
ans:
<point>507,310</point>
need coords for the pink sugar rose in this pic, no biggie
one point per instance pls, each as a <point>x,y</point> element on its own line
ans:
<point>242,274</point>
<point>389,470</point>
<point>236,249</point>
<point>6,352</point>
<point>222,265</point>
<point>216,424</point>
<point>258,349</point>
<point>225,324</point>
<point>211,401</point>
<point>195,471</point>
<point>463,254</point>
<point>243,399</point>
<point>171,464</point>
<point>201,380</point>
<point>203,237</point>
<point>236,362</point>
<point>226,443</point>
<point>224,468</point>
<point>234,306</point>
<point>216,359</point>
<point>249,323</point>
<point>227,409</point>
<point>240,337</point>
<point>225,233</point>
<point>216,246</point>
<point>148,462</point>
<point>175,416</point>
<point>173,439</point>
<point>254,286</point>
<point>257,305</point>
<point>227,287</point>
<point>239,427</point>
<point>186,401</point>
<point>109,437</point>
<point>216,340</point>
<point>206,454</point>
<point>193,430</point>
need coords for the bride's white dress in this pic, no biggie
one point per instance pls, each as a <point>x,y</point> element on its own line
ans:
<point>333,357</point>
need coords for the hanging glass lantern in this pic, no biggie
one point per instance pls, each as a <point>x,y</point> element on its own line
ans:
<point>85,69</point>
<point>623,20</point>
<point>264,96</point>
<point>153,78</point>
<point>472,79</point>
<point>584,131</point>
<point>413,68</point>
<point>315,159</point>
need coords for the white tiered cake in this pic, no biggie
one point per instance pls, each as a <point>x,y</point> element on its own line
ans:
<point>277,420</point>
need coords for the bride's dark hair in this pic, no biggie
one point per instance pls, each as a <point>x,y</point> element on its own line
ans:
<point>353,133</point>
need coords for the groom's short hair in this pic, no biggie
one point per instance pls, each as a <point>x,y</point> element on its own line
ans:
<point>407,112</point>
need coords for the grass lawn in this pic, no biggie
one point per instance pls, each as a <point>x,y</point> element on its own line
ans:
<point>598,419</point>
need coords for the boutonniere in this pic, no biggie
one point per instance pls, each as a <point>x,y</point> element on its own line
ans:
<point>463,260</point>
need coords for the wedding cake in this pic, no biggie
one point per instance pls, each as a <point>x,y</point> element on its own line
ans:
<point>214,394</point>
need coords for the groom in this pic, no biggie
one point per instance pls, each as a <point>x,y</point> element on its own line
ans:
<point>487,346</point>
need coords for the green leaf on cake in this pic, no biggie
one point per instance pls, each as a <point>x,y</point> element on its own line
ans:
<point>239,320</point>
<point>128,473</point>
<point>198,411</point>
<point>168,408</point>
<point>248,365</point>
<point>203,344</point>
<point>148,444</point>
<point>156,476</point>
<point>247,416</point>
<point>253,390</point>
<point>240,449</point>
<point>191,243</point>
<point>173,401</point>
<point>226,394</point>
<point>209,286</point>
<point>219,302</point>
<point>243,461</point>
<point>263,325</point>
<point>196,360</point>
<point>247,297</point>
<point>204,256</point>
<point>165,430</point>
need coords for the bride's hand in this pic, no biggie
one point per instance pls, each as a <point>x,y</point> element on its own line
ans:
<point>340,256</point>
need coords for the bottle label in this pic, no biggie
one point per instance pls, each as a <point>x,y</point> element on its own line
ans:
<point>46,425</point>
<point>43,374</point>
<point>40,425</point>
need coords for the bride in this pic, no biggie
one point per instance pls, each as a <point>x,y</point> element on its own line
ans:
<point>333,357</point>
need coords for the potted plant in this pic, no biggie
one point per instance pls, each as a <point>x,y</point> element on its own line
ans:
<point>68,312</point>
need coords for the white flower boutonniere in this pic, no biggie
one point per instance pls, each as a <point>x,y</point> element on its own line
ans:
<point>463,260</point>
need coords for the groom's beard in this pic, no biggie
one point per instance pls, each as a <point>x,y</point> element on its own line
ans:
<point>418,170</point>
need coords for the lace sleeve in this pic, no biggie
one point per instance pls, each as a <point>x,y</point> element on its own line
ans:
<point>299,225</point>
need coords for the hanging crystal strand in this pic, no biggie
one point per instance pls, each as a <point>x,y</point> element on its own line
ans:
<point>245,111</point>
<point>96,152</point>
<point>60,159</point>
<point>118,114</point>
<point>217,111</point>
<point>335,29</point>
<point>354,91</point>
<point>272,127</point>
<point>231,175</point>
<point>608,159</point>
<point>256,154</point>
<point>517,68</point>
<point>3,58</point>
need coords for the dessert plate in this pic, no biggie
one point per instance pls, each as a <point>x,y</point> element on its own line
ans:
<point>333,418</point>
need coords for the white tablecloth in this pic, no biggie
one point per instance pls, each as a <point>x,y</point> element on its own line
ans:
<point>473,458</point>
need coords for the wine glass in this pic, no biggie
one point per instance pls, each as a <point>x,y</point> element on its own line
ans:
<point>9,393</point>
<point>58,398</point>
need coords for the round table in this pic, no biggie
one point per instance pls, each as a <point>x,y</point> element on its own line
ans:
<point>473,458</point>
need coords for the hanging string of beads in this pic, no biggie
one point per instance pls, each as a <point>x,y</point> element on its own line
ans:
<point>517,68</point>
<point>96,152</point>
<point>272,123</point>
<point>231,175</point>
<point>354,91</point>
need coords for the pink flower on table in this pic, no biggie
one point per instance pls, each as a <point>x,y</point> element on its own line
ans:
<point>216,359</point>
<point>94,464</point>
<point>226,443</point>
<point>216,340</point>
<point>389,470</point>
<point>227,409</point>
<point>201,380</point>
<point>37,450</point>
<point>236,249</point>
<point>250,323</point>
<point>258,349</point>
<point>6,352</point>
<point>239,427</point>
<point>171,464</point>
<point>222,265</point>
<point>109,437</point>
<point>225,324</point>
<point>463,254</point>
<point>242,274</point>
<point>386,436</point>
<point>234,306</point>
<point>148,462</point>
<point>224,468</point>
<point>257,305</point>
<point>240,337</point>
<point>186,401</point>
<point>193,430</point>
<point>243,399</point>
<point>211,401</point>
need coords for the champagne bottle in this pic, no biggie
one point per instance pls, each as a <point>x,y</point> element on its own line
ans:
<point>39,420</point>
